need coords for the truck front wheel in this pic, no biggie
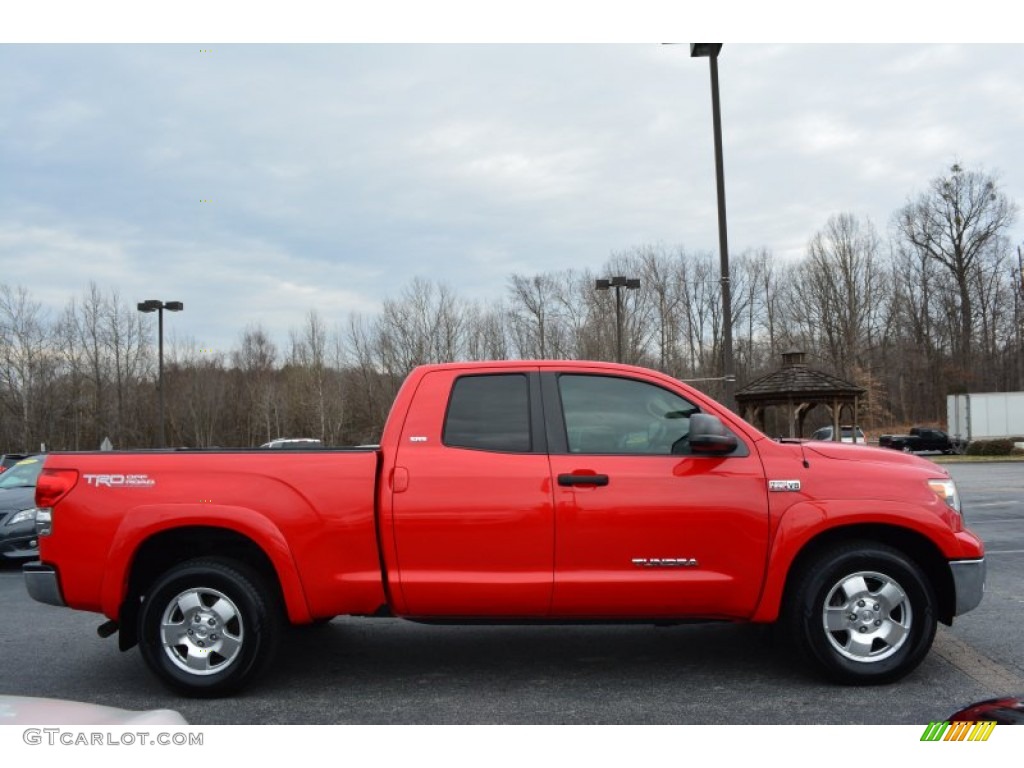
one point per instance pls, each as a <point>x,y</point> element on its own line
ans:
<point>864,612</point>
<point>208,626</point>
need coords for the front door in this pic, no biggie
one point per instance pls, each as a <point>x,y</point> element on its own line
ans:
<point>643,528</point>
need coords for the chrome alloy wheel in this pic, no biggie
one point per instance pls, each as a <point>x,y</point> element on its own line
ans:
<point>867,616</point>
<point>201,631</point>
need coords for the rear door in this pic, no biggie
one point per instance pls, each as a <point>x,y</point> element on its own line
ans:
<point>472,504</point>
<point>642,528</point>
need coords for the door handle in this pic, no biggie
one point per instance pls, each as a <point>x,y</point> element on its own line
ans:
<point>570,480</point>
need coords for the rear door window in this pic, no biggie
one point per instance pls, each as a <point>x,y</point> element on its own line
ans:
<point>490,413</point>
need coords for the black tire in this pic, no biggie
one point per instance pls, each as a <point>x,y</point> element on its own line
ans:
<point>208,626</point>
<point>863,612</point>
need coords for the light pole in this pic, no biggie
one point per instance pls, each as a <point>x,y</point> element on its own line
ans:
<point>711,51</point>
<point>618,283</point>
<point>155,305</point>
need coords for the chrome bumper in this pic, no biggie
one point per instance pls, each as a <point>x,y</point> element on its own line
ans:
<point>969,580</point>
<point>43,584</point>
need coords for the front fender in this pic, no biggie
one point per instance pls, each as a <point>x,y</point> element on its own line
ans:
<point>806,521</point>
<point>145,521</point>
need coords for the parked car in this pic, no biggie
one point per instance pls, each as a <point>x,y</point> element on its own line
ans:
<point>1007,710</point>
<point>29,710</point>
<point>846,434</point>
<point>293,442</point>
<point>922,440</point>
<point>8,460</point>
<point>18,539</point>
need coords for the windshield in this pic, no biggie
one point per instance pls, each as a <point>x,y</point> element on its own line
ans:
<point>22,475</point>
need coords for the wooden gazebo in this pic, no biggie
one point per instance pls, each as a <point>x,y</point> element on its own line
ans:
<point>799,389</point>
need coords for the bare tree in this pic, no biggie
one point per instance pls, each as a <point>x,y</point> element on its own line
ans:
<point>373,386</point>
<point>487,333</point>
<point>960,223</point>
<point>26,355</point>
<point>87,327</point>
<point>127,355</point>
<point>309,356</point>
<point>661,277</point>
<point>702,313</point>
<point>256,361</point>
<point>836,291</point>
<point>533,315</point>
<point>425,325</point>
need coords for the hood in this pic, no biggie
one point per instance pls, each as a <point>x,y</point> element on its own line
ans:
<point>856,452</point>
<point>17,499</point>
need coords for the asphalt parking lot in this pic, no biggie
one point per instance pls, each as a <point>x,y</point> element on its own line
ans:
<point>380,671</point>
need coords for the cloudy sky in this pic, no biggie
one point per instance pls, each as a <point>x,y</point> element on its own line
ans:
<point>255,182</point>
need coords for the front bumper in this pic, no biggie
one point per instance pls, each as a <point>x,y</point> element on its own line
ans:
<point>969,580</point>
<point>19,542</point>
<point>42,584</point>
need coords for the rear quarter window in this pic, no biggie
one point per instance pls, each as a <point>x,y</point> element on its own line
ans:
<point>489,413</point>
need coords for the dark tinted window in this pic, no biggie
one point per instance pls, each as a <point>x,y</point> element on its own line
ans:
<point>611,415</point>
<point>490,413</point>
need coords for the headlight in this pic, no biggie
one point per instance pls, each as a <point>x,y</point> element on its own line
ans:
<point>26,515</point>
<point>945,489</point>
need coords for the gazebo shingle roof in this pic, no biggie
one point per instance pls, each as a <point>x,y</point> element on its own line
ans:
<point>795,381</point>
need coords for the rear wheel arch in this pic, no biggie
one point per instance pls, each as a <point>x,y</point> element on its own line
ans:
<point>163,551</point>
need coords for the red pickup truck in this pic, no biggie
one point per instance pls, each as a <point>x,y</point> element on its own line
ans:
<point>512,491</point>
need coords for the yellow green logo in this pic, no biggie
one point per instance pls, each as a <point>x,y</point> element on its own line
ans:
<point>959,731</point>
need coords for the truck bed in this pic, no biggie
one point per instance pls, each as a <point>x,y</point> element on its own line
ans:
<point>312,511</point>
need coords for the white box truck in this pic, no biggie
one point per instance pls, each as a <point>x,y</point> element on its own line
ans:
<point>986,415</point>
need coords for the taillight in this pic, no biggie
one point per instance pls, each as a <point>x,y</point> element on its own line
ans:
<point>53,485</point>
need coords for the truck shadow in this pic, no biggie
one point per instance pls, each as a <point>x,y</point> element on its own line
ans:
<point>520,674</point>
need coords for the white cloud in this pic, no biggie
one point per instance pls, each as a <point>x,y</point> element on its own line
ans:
<point>927,60</point>
<point>820,133</point>
<point>338,173</point>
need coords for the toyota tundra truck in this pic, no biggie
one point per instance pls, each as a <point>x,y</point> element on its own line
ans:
<point>512,492</point>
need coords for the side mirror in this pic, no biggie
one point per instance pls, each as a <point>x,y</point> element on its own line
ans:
<point>709,436</point>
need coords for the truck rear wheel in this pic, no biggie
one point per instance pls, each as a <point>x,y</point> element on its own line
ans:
<point>864,612</point>
<point>208,626</point>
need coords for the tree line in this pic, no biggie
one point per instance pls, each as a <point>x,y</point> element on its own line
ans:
<point>935,305</point>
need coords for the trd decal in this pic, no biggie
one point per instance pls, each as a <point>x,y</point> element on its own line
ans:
<point>120,481</point>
